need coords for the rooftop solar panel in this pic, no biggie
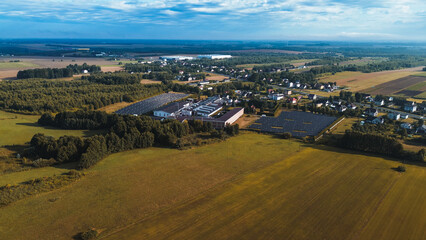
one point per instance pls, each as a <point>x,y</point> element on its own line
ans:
<point>152,103</point>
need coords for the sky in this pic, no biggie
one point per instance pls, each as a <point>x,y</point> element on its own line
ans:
<point>341,20</point>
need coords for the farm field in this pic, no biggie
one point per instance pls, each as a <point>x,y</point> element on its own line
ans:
<point>306,196</point>
<point>9,70</point>
<point>16,65</point>
<point>358,81</point>
<point>250,186</point>
<point>215,76</point>
<point>298,62</point>
<point>409,86</point>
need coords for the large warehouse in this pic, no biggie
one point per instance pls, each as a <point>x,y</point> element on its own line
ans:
<point>215,56</point>
<point>176,58</point>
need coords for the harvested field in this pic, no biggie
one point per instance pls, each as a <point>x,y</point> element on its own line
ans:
<point>215,77</point>
<point>9,70</point>
<point>252,186</point>
<point>394,86</point>
<point>266,51</point>
<point>148,81</point>
<point>362,82</point>
<point>111,68</point>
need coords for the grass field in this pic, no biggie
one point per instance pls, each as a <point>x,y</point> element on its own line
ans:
<point>423,74</point>
<point>358,81</point>
<point>16,65</point>
<point>421,86</point>
<point>252,186</point>
<point>17,129</point>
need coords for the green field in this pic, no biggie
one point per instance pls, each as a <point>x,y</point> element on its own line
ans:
<point>423,74</point>
<point>17,129</point>
<point>417,87</point>
<point>252,186</point>
<point>16,65</point>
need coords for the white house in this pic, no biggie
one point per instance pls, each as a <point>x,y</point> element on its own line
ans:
<point>394,116</point>
<point>379,102</point>
<point>410,107</point>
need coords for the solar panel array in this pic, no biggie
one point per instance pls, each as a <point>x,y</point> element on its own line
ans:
<point>299,124</point>
<point>152,103</point>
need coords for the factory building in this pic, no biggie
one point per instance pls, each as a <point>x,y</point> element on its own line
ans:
<point>214,56</point>
<point>176,58</point>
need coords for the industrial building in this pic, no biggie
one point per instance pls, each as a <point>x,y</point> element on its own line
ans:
<point>205,110</point>
<point>214,56</point>
<point>176,58</point>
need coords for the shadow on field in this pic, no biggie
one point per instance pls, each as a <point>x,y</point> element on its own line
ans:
<point>348,151</point>
<point>86,133</point>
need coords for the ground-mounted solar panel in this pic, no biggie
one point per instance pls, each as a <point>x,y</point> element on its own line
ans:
<point>152,103</point>
<point>299,124</point>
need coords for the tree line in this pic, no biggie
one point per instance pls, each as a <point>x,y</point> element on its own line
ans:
<point>51,73</point>
<point>114,78</point>
<point>380,144</point>
<point>123,132</point>
<point>392,64</point>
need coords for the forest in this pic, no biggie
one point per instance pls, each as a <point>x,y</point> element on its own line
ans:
<point>393,63</point>
<point>39,96</point>
<point>380,144</point>
<point>123,132</point>
<point>51,73</point>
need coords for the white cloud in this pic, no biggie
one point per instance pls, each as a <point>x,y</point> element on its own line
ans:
<point>343,18</point>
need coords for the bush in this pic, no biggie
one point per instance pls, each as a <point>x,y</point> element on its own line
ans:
<point>41,162</point>
<point>89,234</point>
<point>400,168</point>
<point>286,135</point>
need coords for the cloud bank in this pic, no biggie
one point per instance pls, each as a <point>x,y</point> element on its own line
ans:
<point>216,19</point>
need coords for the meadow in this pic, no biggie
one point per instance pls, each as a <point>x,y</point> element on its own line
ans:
<point>252,186</point>
<point>17,129</point>
<point>16,65</point>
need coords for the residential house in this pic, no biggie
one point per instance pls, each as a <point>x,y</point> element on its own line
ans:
<point>410,107</point>
<point>379,102</point>
<point>341,108</point>
<point>375,120</point>
<point>312,96</point>
<point>394,116</point>
<point>372,112</point>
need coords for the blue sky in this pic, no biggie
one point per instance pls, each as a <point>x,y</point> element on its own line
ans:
<point>382,20</point>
